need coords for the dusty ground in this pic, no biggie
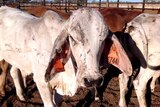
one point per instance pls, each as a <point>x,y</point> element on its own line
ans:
<point>83,98</point>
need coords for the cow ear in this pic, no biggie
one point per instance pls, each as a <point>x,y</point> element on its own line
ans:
<point>117,56</point>
<point>59,56</point>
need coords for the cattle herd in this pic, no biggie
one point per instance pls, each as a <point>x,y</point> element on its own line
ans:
<point>66,52</point>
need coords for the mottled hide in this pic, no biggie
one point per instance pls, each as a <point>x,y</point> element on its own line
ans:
<point>86,32</point>
<point>27,47</point>
<point>35,42</point>
<point>145,37</point>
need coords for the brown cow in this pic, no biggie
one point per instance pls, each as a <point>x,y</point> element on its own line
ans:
<point>40,10</point>
<point>117,18</point>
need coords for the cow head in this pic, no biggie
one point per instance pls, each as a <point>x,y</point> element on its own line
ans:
<point>84,32</point>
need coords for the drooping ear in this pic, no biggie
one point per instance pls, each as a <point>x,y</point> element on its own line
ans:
<point>59,56</point>
<point>116,55</point>
<point>138,43</point>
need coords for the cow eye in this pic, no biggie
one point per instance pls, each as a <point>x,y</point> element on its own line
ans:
<point>59,50</point>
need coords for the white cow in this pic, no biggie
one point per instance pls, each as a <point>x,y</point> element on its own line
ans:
<point>144,42</point>
<point>30,44</point>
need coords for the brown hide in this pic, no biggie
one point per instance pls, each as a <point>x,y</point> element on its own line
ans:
<point>117,18</point>
<point>110,19</point>
<point>40,10</point>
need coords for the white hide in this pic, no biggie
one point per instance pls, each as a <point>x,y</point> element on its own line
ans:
<point>26,43</point>
<point>66,84</point>
<point>29,43</point>
<point>86,33</point>
<point>145,32</point>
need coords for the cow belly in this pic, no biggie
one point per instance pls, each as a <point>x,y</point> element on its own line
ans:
<point>19,60</point>
<point>154,59</point>
<point>154,51</point>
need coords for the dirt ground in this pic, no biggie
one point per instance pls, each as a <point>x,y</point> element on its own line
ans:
<point>109,93</point>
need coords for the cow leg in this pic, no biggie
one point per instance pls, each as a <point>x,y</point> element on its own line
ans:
<point>39,71</point>
<point>24,76</point>
<point>2,83</point>
<point>43,89</point>
<point>123,82</point>
<point>153,82</point>
<point>15,73</point>
<point>4,66</point>
<point>95,93</point>
<point>140,84</point>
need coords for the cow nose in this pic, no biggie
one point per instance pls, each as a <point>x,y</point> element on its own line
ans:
<point>87,82</point>
<point>93,82</point>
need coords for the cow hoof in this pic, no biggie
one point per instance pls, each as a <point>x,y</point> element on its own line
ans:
<point>22,99</point>
<point>96,98</point>
<point>2,93</point>
<point>152,88</point>
<point>122,104</point>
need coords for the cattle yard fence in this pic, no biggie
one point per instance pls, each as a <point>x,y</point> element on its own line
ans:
<point>70,6</point>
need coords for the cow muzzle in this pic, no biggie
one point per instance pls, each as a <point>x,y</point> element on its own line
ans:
<point>90,82</point>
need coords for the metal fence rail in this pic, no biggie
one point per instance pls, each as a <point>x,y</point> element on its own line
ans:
<point>68,6</point>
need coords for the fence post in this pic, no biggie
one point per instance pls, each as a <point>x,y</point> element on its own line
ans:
<point>99,4</point>
<point>107,3</point>
<point>117,3</point>
<point>51,4</point>
<point>132,7</point>
<point>86,2</point>
<point>19,5</point>
<point>143,5</point>
<point>66,6</point>
<point>44,2</point>
<point>158,11</point>
<point>3,2</point>
<point>59,5</point>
